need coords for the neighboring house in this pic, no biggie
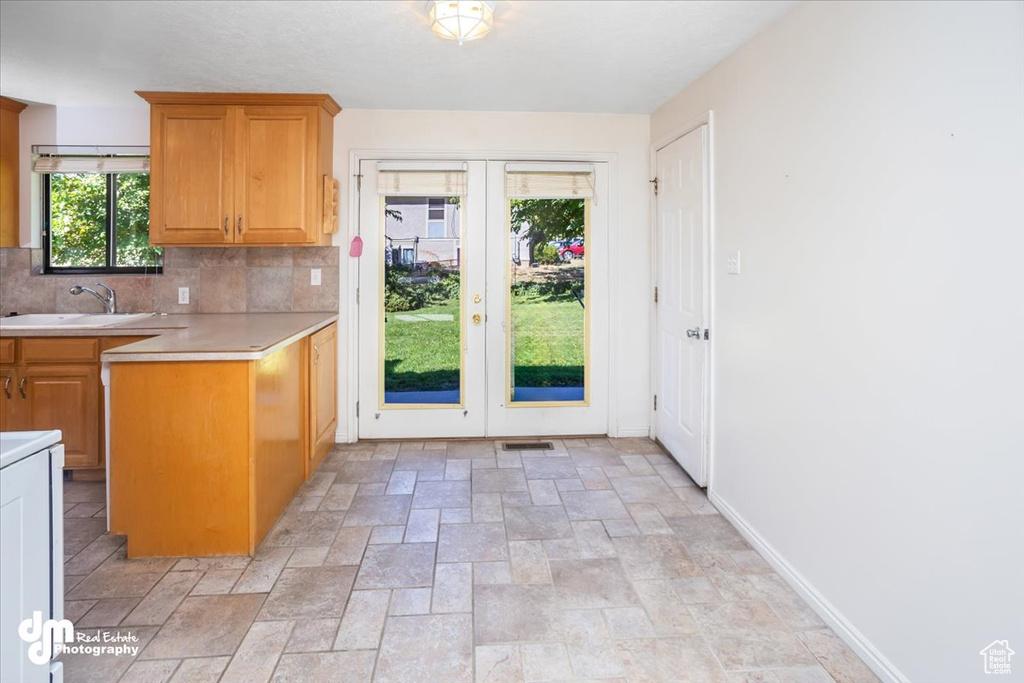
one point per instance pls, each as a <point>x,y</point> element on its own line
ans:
<point>423,230</point>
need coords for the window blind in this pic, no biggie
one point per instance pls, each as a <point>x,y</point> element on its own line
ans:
<point>90,164</point>
<point>421,182</point>
<point>554,181</point>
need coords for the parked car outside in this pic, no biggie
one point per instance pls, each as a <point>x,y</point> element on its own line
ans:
<point>573,249</point>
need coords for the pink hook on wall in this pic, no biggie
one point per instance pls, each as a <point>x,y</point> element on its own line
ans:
<point>355,250</point>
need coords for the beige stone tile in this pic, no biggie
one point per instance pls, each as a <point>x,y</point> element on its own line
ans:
<point>262,572</point>
<point>786,603</point>
<point>406,565</point>
<point>308,593</point>
<point>159,603</point>
<point>487,508</point>
<point>491,573</point>
<point>695,589</point>
<point>453,588</point>
<point>762,676</point>
<point>257,656</point>
<point>615,472</point>
<point>201,670</point>
<point>472,543</point>
<point>154,671</point>
<point>269,290</point>
<point>459,515</point>
<point>592,584</point>
<point>536,523</point>
<point>378,510</point>
<point>638,465</point>
<point>470,449</point>
<point>437,647</point>
<point>315,256</point>
<point>707,533</point>
<point>544,492</point>
<point>696,501</point>
<point>326,667</point>
<point>339,497</point>
<point>365,472</point>
<point>593,505</point>
<point>264,257</point>
<point>319,483</point>
<point>529,562</point>
<point>80,532</point>
<point>107,667</point>
<point>222,289</point>
<point>508,613</point>
<point>508,460</point>
<point>304,504</point>
<point>836,658</point>
<point>545,662</point>
<point>595,456</point>
<point>420,460</point>
<point>593,540</point>
<point>629,622</point>
<point>655,557</point>
<point>589,644</point>
<point>115,582</point>
<point>203,564</point>
<point>648,520</point>
<point>668,613</point>
<point>74,610</point>
<point>408,601</point>
<point>84,509</point>
<point>182,636</point>
<point>164,290</point>
<point>458,470</point>
<point>498,664</point>
<point>749,635</point>
<point>673,476</point>
<point>499,481</point>
<point>618,528</point>
<point>549,468</point>
<point>571,484</point>
<point>402,482</point>
<point>441,494</point>
<point>382,535</point>
<point>806,674</point>
<point>308,557</point>
<point>363,621</point>
<point>650,489</point>
<point>430,475</point>
<point>348,546</point>
<point>313,635</point>
<point>637,445</point>
<point>686,658</point>
<point>594,478</point>
<point>561,549</point>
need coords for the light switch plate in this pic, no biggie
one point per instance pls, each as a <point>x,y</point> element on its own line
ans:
<point>314,277</point>
<point>732,262</point>
<point>182,295</point>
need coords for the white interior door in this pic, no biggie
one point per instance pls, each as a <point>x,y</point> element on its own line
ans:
<point>421,305</point>
<point>682,302</point>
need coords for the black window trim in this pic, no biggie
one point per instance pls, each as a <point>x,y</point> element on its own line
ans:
<point>111,228</point>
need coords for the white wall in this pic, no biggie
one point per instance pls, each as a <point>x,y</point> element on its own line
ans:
<point>627,137</point>
<point>870,387</point>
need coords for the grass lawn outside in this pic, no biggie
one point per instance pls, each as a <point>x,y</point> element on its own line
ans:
<point>423,355</point>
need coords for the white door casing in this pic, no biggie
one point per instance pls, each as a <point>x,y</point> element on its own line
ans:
<point>682,308</point>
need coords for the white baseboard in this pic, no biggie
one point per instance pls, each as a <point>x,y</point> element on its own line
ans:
<point>878,662</point>
<point>341,437</point>
<point>626,432</point>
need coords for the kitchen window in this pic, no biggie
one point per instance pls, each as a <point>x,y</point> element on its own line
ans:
<point>95,214</point>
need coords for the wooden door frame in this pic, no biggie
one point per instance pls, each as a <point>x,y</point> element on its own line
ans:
<point>708,422</point>
<point>350,338</point>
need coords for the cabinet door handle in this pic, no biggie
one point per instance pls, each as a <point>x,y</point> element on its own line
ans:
<point>7,386</point>
<point>21,387</point>
<point>316,350</point>
<point>226,219</point>
<point>239,224</point>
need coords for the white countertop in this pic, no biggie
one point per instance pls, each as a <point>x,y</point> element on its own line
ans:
<point>15,446</point>
<point>214,336</point>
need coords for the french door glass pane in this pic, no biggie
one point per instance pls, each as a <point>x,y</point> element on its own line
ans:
<point>421,291</point>
<point>547,300</point>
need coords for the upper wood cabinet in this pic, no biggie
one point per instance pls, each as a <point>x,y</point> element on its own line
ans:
<point>10,181</point>
<point>236,168</point>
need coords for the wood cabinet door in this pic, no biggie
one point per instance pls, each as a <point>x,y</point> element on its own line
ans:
<point>323,392</point>
<point>191,175</point>
<point>276,178</point>
<point>12,408</point>
<point>65,397</point>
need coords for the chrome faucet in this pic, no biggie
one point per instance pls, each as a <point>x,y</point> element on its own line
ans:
<point>109,302</point>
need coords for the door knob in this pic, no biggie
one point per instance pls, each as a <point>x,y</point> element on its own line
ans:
<point>476,318</point>
<point>476,299</point>
<point>694,333</point>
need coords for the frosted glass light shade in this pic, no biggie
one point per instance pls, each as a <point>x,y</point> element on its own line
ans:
<point>461,20</point>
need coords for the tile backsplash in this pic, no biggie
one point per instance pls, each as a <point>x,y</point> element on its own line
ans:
<point>220,280</point>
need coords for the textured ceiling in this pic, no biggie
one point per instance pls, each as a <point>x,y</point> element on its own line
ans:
<point>604,56</point>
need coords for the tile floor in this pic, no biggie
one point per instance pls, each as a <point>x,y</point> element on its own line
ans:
<point>430,561</point>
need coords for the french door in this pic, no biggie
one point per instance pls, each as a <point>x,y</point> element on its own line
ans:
<point>482,299</point>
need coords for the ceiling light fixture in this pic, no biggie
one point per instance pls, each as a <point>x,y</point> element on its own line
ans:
<point>461,20</point>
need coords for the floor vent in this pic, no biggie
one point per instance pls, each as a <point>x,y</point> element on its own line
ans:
<point>528,446</point>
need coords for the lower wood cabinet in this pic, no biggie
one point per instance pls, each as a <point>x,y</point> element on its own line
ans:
<point>323,394</point>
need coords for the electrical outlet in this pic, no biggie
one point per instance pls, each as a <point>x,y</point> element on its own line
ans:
<point>314,277</point>
<point>182,295</point>
<point>732,262</point>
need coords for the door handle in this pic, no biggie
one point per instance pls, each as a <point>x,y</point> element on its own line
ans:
<point>316,350</point>
<point>693,333</point>
<point>476,318</point>
<point>239,224</point>
<point>21,387</point>
<point>226,225</point>
<point>476,299</point>
<point>7,386</point>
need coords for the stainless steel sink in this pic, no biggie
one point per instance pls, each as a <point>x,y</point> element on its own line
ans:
<point>64,321</point>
